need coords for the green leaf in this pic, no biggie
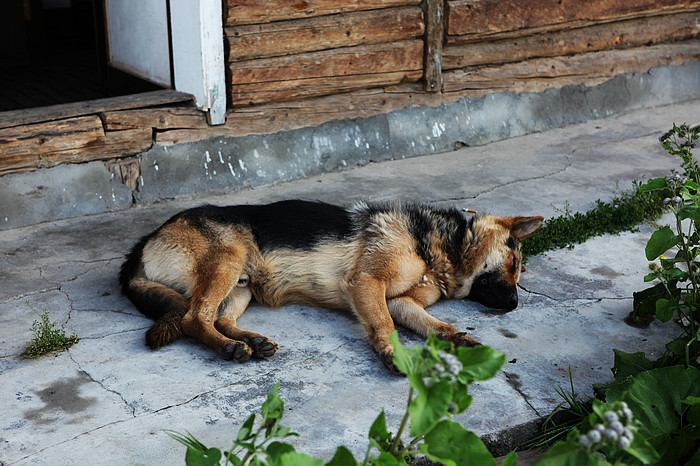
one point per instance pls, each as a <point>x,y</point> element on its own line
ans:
<point>273,408</point>
<point>379,436</point>
<point>655,397</point>
<point>245,432</point>
<point>629,364</point>
<point>342,457</point>
<point>479,363</point>
<point>644,303</point>
<point>430,404</point>
<point>196,457</point>
<point>403,359</point>
<point>653,184</point>
<point>643,451</point>
<point>690,211</point>
<point>294,458</point>
<point>451,444</point>
<point>511,459</point>
<point>275,450</point>
<point>569,453</point>
<point>664,312</point>
<point>387,459</point>
<point>661,241</point>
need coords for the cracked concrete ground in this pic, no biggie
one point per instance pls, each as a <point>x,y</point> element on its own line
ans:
<point>108,399</point>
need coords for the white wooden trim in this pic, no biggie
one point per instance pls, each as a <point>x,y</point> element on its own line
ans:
<point>198,54</point>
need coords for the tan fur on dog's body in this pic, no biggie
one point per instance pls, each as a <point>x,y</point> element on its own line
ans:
<point>197,273</point>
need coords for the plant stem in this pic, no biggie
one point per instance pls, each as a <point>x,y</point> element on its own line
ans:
<point>404,422</point>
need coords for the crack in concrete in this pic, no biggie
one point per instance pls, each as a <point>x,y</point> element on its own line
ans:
<point>101,385</point>
<point>514,381</point>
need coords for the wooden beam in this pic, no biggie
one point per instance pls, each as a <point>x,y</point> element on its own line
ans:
<point>482,18</point>
<point>591,68</point>
<point>434,36</point>
<point>90,107</point>
<point>266,11</point>
<point>156,118</point>
<point>326,72</point>
<point>324,32</point>
<point>617,35</point>
<point>73,140</point>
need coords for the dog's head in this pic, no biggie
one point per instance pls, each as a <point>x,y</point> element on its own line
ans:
<point>490,266</point>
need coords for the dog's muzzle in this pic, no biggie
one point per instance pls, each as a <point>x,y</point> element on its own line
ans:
<point>491,291</point>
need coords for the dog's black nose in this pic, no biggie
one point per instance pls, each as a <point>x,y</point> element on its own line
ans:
<point>513,300</point>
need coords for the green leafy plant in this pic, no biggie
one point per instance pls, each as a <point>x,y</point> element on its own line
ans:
<point>651,412</point>
<point>622,213</point>
<point>47,338</point>
<point>439,376</point>
<point>677,291</point>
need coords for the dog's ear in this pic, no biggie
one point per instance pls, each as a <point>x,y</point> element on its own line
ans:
<point>522,227</point>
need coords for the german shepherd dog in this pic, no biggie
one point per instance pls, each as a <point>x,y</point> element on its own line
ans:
<point>196,274</point>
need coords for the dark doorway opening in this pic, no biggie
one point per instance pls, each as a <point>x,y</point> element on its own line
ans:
<point>54,52</point>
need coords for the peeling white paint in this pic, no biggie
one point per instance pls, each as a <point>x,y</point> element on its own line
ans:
<point>242,165</point>
<point>230,167</point>
<point>438,129</point>
<point>256,154</point>
<point>221,157</point>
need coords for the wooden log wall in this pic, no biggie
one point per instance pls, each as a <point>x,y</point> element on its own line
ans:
<point>287,49</point>
<point>491,42</point>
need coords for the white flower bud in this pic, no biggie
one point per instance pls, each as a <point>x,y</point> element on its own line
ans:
<point>610,416</point>
<point>584,441</point>
<point>594,436</point>
<point>624,442</point>
<point>611,434</point>
<point>617,427</point>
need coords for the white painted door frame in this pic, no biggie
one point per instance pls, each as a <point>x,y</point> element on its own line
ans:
<point>138,43</point>
<point>198,54</point>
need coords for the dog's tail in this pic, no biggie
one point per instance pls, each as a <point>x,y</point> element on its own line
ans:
<point>159,302</point>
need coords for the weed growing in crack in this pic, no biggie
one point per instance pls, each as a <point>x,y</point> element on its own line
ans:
<point>47,338</point>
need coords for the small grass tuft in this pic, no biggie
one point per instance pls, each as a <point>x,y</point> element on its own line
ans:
<point>47,338</point>
<point>623,213</point>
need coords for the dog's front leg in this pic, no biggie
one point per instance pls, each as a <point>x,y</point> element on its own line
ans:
<point>409,311</point>
<point>368,295</point>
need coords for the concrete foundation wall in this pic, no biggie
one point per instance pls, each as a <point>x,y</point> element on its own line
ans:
<point>225,165</point>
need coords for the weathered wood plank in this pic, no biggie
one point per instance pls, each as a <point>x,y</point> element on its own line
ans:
<point>53,136</point>
<point>113,144</point>
<point>330,71</point>
<point>369,59</point>
<point>157,118</point>
<point>434,37</point>
<point>324,32</point>
<point>590,68</point>
<point>479,18</point>
<point>79,139</point>
<point>63,111</point>
<point>266,11</point>
<point>255,93</point>
<point>622,34</point>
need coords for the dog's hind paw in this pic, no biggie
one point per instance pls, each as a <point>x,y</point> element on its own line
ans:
<point>262,347</point>
<point>236,351</point>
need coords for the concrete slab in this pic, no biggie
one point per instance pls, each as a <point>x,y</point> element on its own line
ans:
<point>108,399</point>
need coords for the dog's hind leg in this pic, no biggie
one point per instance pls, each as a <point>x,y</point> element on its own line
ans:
<point>217,275</point>
<point>163,304</point>
<point>408,312</point>
<point>233,307</point>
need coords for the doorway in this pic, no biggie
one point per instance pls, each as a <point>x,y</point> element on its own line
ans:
<point>55,52</point>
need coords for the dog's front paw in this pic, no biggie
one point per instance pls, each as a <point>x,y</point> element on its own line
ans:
<point>236,351</point>
<point>388,360</point>
<point>460,339</point>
